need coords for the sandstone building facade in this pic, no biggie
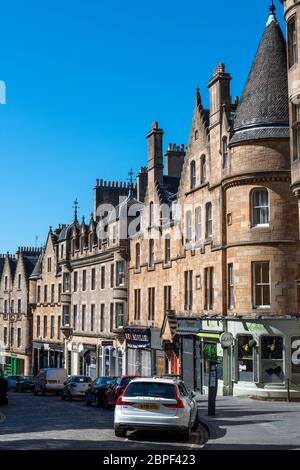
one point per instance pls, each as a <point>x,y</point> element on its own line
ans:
<point>93,262</point>
<point>45,300</point>
<point>234,265</point>
<point>15,311</point>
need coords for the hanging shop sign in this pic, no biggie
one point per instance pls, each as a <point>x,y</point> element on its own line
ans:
<point>138,338</point>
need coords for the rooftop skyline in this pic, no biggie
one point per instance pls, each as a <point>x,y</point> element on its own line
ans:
<point>84,84</point>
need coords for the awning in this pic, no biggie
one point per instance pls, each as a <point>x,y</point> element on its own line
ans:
<point>215,335</point>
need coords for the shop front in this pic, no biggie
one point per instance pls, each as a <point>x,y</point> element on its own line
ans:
<point>111,359</point>
<point>47,355</point>
<point>263,360</point>
<point>265,357</point>
<point>188,345</point>
<point>13,364</point>
<point>145,356</point>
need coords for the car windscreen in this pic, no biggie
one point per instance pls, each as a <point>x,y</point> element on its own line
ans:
<point>102,381</point>
<point>150,389</point>
<point>82,380</point>
<point>125,381</point>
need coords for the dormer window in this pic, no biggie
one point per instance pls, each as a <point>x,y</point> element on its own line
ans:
<point>151,214</point>
<point>203,169</point>
<point>193,174</point>
<point>49,265</point>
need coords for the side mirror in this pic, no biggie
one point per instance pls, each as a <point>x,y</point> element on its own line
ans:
<point>192,394</point>
<point>90,385</point>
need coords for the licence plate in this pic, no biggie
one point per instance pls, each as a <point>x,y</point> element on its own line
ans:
<point>149,407</point>
<point>52,381</point>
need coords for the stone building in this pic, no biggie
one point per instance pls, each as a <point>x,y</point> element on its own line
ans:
<point>15,310</point>
<point>292,17</point>
<point>45,300</point>
<point>224,257</point>
<point>93,260</point>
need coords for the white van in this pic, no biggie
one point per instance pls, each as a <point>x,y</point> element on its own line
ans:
<point>50,380</point>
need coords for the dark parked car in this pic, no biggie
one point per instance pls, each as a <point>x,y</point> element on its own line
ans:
<point>25,384</point>
<point>97,390</point>
<point>117,388</point>
<point>3,391</point>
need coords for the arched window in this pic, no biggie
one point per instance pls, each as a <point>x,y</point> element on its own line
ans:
<point>260,207</point>
<point>138,256</point>
<point>225,152</point>
<point>203,169</point>
<point>193,174</point>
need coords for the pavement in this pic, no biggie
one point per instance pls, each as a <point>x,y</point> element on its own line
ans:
<point>247,424</point>
<point>47,423</point>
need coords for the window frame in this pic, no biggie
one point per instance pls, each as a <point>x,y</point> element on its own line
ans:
<point>292,39</point>
<point>193,175</point>
<point>259,207</point>
<point>262,284</point>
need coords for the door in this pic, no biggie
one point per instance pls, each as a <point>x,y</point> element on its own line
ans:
<point>187,367</point>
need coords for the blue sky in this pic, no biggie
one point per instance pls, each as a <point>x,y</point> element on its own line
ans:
<point>86,79</point>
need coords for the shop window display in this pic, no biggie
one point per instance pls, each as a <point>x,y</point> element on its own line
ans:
<point>272,359</point>
<point>245,358</point>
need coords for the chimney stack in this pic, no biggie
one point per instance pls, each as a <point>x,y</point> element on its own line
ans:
<point>174,159</point>
<point>155,155</point>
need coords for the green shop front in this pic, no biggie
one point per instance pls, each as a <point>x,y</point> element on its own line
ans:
<point>262,361</point>
<point>196,346</point>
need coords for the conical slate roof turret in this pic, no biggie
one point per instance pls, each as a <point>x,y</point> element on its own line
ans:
<point>263,109</point>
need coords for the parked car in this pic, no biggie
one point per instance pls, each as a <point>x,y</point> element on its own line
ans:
<point>97,390</point>
<point>156,404</point>
<point>3,391</point>
<point>75,387</point>
<point>25,384</point>
<point>50,380</point>
<point>12,381</point>
<point>117,388</point>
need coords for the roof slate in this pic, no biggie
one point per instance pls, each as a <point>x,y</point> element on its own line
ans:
<point>263,109</point>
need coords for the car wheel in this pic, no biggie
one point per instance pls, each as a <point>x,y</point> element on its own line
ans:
<point>35,392</point>
<point>63,396</point>
<point>120,432</point>
<point>196,423</point>
<point>87,401</point>
<point>70,397</point>
<point>186,435</point>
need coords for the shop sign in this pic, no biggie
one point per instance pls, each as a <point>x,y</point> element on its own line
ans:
<point>138,338</point>
<point>188,326</point>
